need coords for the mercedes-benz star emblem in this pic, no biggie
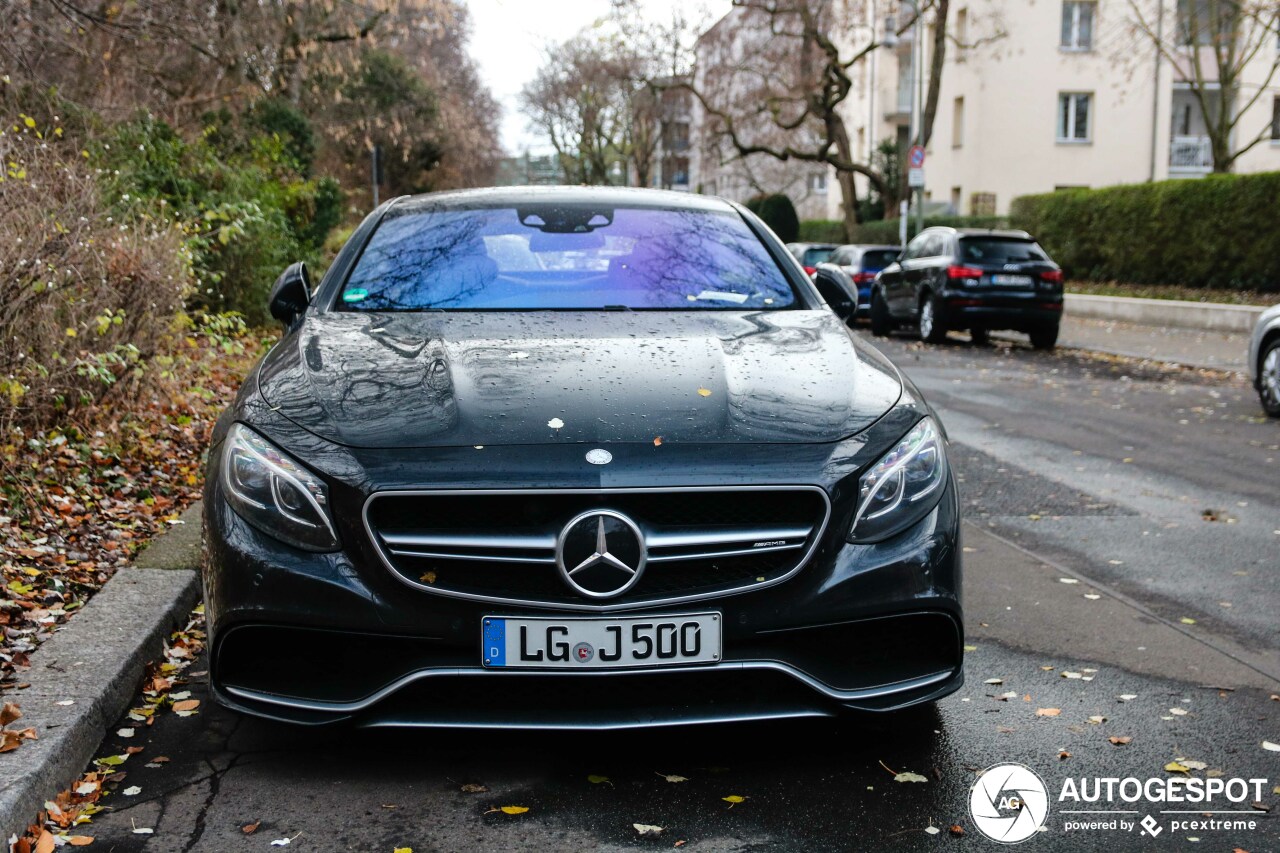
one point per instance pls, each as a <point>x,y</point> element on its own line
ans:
<point>601,553</point>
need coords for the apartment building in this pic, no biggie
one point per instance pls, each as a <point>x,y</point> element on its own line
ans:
<point>1046,95</point>
<point>714,164</point>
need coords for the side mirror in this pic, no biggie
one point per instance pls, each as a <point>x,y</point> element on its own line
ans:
<point>291,294</point>
<point>837,289</point>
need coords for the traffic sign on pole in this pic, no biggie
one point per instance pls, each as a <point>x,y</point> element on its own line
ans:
<point>915,156</point>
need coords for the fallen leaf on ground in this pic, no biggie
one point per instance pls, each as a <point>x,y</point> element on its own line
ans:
<point>908,776</point>
<point>1063,755</point>
<point>1271,747</point>
<point>1175,767</point>
<point>1119,741</point>
<point>509,810</point>
<point>80,840</point>
<point>1191,764</point>
<point>598,780</point>
<point>1068,580</point>
<point>132,791</point>
<point>473,788</point>
<point>1097,719</point>
<point>994,681</point>
<point>10,712</point>
<point>282,842</point>
<point>932,830</point>
<point>186,705</point>
<point>1178,712</point>
<point>403,850</point>
<point>648,830</point>
<point>671,777</point>
<point>1126,697</point>
<point>1048,712</point>
<point>251,828</point>
<point>733,800</point>
<point>956,829</point>
<point>1069,674</point>
<point>1187,620</point>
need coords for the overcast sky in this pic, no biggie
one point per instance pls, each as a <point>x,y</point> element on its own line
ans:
<point>509,36</point>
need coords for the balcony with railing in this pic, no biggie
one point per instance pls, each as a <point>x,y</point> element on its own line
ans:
<point>1190,156</point>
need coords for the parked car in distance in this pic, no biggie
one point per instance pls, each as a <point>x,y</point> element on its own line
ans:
<point>976,279</point>
<point>811,254</point>
<point>862,262</point>
<point>1264,360</point>
<point>575,457</point>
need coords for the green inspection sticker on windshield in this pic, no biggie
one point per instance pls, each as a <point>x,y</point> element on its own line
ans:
<point>355,294</point>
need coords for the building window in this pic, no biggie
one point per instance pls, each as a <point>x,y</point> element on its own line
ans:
<point>982,204</point>
<point>1077,24</point>
<point>957,197</point>
<point>1197,19</point>
<point>962,33</point>
<point>818,182</point>
<point>1074,117</point>
<point>957,124</point>
<point>1275,120</point>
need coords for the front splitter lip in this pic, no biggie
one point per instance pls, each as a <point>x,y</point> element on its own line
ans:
<point>347,709</point>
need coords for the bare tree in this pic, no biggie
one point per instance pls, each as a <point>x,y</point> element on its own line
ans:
<point>1225,52</point>
<point>780,97</point>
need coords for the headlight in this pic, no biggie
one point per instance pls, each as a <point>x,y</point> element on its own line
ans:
<point>902,487</point>
<point>275,494</point>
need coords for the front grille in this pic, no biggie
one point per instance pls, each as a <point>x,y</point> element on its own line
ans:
<point>501,546</point>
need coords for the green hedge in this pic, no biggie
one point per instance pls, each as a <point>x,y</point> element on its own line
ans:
<point>885,231</point>
<point>1217,232</point>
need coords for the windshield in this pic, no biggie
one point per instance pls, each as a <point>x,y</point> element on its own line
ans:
<point>874,260</point>
<point>563,257</point>
<point>813,257</point>
<point>989,250</point>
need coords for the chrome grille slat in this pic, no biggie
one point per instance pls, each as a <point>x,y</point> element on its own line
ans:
<point>702,541</point>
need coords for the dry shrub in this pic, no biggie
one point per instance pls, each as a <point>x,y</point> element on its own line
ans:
<point>87,297</point>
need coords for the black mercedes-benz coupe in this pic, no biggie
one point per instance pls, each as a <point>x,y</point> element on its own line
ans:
<point>571,457</point>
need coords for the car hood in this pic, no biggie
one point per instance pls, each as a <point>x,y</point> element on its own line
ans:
<point>439,379</point>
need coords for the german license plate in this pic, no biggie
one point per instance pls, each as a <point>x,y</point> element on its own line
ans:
<point>604,643</point>
<point>1008,280</point>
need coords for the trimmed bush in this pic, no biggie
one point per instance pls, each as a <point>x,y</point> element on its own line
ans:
<point>778,213</point>
<point>1217,232</point>
<point>885,231</point>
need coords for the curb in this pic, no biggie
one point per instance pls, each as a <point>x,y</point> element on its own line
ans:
<point>1207,316</point>
<point>95,662</point>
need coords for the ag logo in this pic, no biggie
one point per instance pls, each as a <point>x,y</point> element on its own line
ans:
<point>1008,803</point>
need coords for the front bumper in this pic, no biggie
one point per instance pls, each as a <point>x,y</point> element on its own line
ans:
<point>316,639</point>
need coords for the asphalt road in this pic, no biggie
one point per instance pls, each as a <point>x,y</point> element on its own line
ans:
<point>1108,504</point>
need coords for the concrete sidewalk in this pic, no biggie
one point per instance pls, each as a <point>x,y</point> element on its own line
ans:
<point>1194,348</point>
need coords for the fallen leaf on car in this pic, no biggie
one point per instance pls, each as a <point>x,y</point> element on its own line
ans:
<point>648,830</point>
<point>1175,767</point>
<point>704,392</point>
<point>908,776</point>
<point>1048,712</point>
<point>555,423</point>
<point>1119,741</point>
<point>473,788</point>
<point>733,800</point>
<point>428,577</point>
<point>251,828</point>
<point>671,777</point>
